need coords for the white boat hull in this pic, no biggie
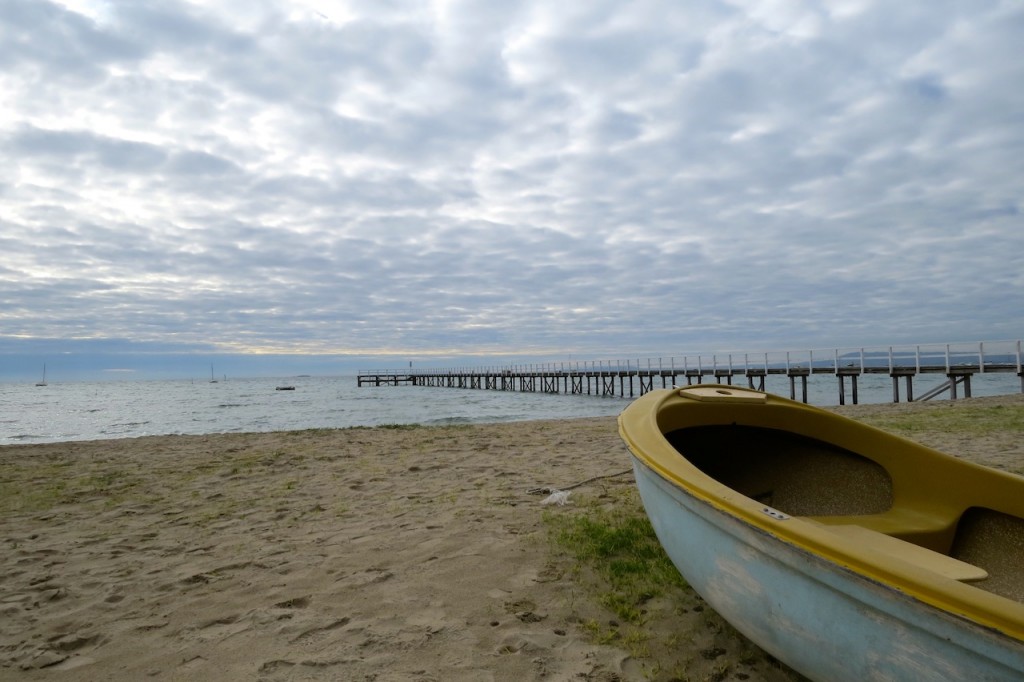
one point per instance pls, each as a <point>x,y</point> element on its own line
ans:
<point>825,621</point>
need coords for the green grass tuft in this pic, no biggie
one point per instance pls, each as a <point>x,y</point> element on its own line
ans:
<point>617,543</point>
<point>967,420</point>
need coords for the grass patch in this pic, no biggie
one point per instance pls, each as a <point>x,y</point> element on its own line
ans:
<point>17,497</point>
<point>29,489</point>
<point>636,600</point>
<point>965,419</point>
<point>618,545</point>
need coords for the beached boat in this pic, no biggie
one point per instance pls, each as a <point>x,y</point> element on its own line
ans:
<point>844,551</point>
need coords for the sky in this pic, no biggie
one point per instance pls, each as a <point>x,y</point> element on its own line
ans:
<point>383,181</point>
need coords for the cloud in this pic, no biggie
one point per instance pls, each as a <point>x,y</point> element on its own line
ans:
<point>510,178</point>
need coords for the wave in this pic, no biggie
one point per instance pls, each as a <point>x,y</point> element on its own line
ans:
<point>448,421</point>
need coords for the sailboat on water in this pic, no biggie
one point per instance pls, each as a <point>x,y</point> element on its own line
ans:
<point>213,379</point>
<point>43,382</point>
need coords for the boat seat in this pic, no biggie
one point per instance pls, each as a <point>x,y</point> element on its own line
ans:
<point>932,529</point>
<point>907,551</point>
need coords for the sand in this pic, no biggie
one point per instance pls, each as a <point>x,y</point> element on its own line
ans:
<point>354,554</point>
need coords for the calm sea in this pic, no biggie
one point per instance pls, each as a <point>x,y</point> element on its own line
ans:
<point>126,409</point>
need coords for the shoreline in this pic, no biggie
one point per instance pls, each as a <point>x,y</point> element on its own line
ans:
<point>387,553</point>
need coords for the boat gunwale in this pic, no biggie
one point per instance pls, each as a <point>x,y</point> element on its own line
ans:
<point>639,428</point>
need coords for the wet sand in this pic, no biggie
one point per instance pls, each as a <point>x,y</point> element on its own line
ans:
<point>356,554</point>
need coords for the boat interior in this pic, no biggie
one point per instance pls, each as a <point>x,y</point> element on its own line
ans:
<point>952,517</point>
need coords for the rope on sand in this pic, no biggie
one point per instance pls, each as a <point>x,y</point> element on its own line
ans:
<point>560,496</point>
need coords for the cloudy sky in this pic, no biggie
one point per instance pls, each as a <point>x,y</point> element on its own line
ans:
<point>447,178</point>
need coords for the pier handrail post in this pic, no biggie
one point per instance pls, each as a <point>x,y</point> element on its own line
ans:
<point>981,357</point>
<point>947,362</point>
<point>787,362</point>
<point>917,364</point>
<point>890,362</point>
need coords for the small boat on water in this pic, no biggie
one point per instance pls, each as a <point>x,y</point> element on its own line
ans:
<point>844,551</point>
<point>43,382</point>
<point>284,388</point>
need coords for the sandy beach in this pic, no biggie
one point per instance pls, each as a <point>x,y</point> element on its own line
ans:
<point>413,553</point>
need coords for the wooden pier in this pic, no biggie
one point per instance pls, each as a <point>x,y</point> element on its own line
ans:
<point>628,379</point>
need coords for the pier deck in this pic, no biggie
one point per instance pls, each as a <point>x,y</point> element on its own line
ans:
<point>625,379</point>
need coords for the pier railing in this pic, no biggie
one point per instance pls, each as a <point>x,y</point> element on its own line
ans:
<point>629,377</point>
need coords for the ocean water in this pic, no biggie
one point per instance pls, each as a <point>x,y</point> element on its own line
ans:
<point>127,409</point>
